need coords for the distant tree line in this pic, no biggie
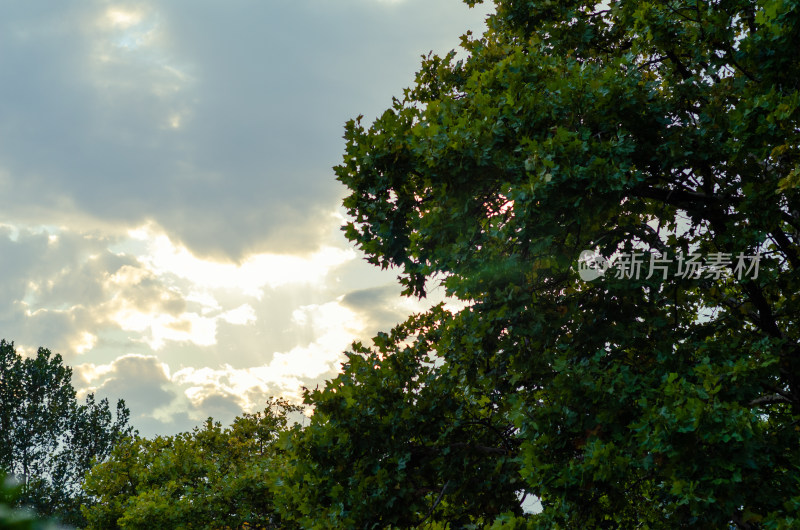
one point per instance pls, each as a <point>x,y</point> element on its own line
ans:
<point>64,464</point>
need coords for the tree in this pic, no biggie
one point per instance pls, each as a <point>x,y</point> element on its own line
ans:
<point>208,478</point>
<point>16,518</point>
<point>397,442</point>
<point>664,132</point>
<point>48,441</point>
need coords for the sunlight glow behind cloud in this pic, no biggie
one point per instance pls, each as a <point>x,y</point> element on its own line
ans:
<point>120,18</point>
<point>334,326</point>
<point>171,295</point>
<point>251,277</point>
<point>130,29</point>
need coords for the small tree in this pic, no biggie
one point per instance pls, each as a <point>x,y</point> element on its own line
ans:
<point>48,441</point>
<point>208,478</point>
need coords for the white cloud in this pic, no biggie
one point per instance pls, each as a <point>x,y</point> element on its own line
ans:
<point>256,272</point>
<point>156,394</point>
<point>334,328</point>
<point>244,314</point>
<point>153,297</point>
<point>86,343</point>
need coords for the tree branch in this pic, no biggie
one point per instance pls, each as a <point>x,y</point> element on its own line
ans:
<point>436,502</point>
<point>766,320</point>
<point>785,246</point>
<point>680,198</point>
<point>772,399</point>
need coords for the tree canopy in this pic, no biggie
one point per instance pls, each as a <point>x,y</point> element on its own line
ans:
<point>207,478</point>
<point>48,440</point>
<point>664,132</point>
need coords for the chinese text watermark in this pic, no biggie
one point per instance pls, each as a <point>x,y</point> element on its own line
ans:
<point>646,265</point>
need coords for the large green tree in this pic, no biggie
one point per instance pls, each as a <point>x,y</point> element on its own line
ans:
<point>666,400</point>
<point>48,440</point>
<point>207,478</point>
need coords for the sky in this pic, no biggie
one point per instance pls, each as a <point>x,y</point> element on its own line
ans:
<point>170,219</point>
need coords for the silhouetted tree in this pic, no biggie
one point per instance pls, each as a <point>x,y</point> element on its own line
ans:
<point>48,440</point>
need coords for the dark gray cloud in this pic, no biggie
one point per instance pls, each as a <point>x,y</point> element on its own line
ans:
<point>378,306</point>
<point>222,407</point>
<point>371,298</point>
<point>220,121</point>
<point>156,405</point>
<point>141,381</point>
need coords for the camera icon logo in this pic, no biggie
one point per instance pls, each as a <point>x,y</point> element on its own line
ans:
<point>591,265</point>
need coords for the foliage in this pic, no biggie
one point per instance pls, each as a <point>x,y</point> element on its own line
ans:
<point>208,478</point>
<point>664,128</point>
<point>47,439</point>
<point>403,437</point>
<point>17,518</point>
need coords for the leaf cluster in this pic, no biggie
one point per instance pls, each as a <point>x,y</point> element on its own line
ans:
<point>211,477</point>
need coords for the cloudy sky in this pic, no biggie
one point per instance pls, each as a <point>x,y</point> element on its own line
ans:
<point>169,218</point>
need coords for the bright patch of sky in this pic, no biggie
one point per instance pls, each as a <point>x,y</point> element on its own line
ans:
<point>250,277</point>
